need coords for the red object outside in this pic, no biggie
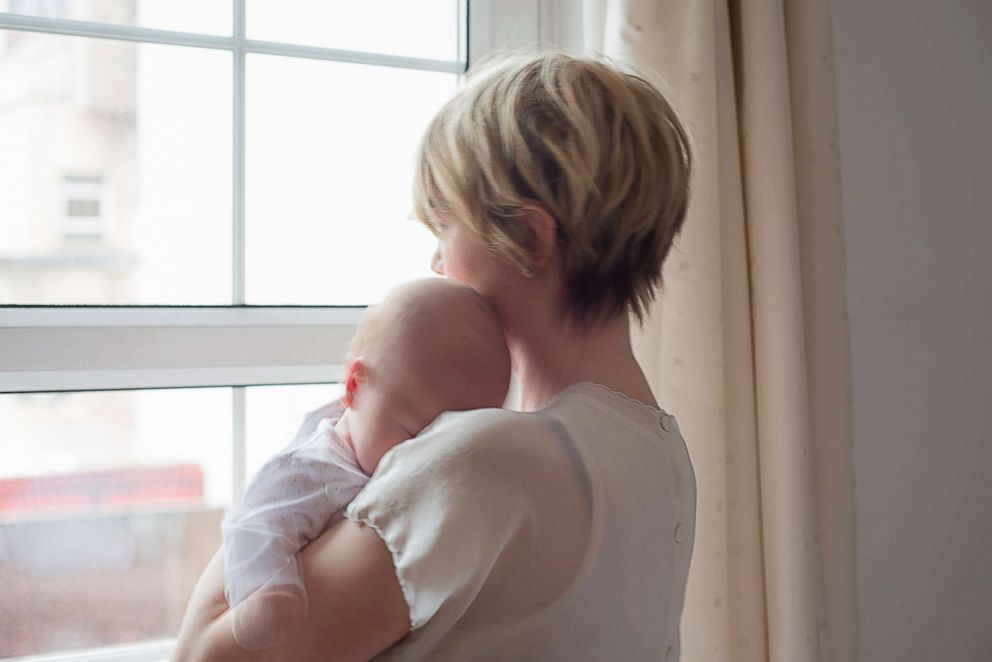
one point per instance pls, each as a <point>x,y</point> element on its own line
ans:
<point>112,488</point>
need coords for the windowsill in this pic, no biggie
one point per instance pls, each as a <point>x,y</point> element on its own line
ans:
<point>151,651</point>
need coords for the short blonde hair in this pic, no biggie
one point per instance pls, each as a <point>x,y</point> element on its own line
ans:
<point>600,149</point>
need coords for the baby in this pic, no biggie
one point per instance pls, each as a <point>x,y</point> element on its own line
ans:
<point>431,346</point>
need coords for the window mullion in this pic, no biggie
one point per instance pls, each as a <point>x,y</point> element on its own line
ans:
<point>238,451</point>
<point>132,33</point>
<point>238,347</point>
<point>462,18</point>
<point>238,207</point>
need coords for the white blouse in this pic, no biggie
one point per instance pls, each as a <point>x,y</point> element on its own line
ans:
<point>562,534</point>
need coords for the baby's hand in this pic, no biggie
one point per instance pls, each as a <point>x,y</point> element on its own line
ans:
<point>269,617</point>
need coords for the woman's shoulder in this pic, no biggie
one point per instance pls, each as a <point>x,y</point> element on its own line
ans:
<point>477,426</point>
<point>467,442</point>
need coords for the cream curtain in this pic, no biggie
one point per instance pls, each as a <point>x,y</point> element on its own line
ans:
<point>748,345</point>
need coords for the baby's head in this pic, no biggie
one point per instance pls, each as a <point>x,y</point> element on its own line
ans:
<point>431,346</point>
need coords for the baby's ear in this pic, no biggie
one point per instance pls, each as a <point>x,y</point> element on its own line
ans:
<point>354,378</point>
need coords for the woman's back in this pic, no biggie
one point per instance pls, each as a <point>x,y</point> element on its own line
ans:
<point>563,534</point>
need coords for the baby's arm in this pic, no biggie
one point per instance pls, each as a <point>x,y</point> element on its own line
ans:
<point>286,505</point>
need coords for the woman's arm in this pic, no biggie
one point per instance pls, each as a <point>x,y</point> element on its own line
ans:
<point>357,608</point>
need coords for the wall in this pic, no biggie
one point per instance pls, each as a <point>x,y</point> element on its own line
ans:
<point>915,110</point>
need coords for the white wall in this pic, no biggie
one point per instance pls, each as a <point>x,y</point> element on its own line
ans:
<point>915,108</point>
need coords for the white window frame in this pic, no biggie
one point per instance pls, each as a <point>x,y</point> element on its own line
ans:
<point>28,333</point>
<point>83,348</point>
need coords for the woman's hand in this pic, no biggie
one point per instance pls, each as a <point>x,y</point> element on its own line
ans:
<point>357,609</point>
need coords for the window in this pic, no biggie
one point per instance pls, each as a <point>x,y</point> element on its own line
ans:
<point>83,207</point>
<point>196,201</point>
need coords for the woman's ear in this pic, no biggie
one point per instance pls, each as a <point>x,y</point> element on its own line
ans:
<point>544,230</point>
<point>355,377</point>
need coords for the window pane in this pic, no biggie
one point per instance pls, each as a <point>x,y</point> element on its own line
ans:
<point>423,29</point>
<point>329,168</point>
<point>274,414</point>
<point>205,16</point>
<point>115,172</point>
<point>110,506</point>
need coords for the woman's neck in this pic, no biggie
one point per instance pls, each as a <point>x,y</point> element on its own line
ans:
<point>549,355</point>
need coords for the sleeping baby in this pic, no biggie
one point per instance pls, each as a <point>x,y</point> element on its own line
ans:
<point>431,346</point>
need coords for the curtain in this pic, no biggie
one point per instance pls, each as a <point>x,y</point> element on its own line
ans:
<point>748,343</point>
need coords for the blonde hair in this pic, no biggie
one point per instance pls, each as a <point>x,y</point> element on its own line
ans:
<point>599,149</point>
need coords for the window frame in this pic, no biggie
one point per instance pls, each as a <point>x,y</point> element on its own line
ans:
<point>485,26</point>
<point>27,330</point>
<point>48,348</point>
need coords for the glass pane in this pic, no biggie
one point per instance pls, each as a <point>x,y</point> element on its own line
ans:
<point>330,150</point>
<point>273,414</point>
<point>110,506</point>
<point>115,172</point>
<point>204,16</point>
<point>424,29</point>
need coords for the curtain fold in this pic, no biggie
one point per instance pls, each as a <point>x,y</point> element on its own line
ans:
<point>748,343</point>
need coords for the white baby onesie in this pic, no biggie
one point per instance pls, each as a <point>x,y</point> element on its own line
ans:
<point>288,503</point>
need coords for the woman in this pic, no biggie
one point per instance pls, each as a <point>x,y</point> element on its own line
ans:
<point>555,186</point>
